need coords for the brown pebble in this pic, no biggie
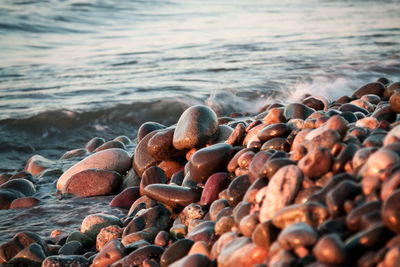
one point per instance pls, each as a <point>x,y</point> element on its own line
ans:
<point>25,202</point>
<point>330,250</point>
<point>172,195</point>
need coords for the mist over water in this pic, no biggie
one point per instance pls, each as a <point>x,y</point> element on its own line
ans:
<point>71,70</point>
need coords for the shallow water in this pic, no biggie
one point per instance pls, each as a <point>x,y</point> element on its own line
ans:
<point>71,70</point>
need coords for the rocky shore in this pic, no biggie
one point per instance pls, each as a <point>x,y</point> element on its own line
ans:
<point>312,183</point>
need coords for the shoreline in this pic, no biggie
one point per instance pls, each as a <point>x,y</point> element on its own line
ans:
<point>303,183</point>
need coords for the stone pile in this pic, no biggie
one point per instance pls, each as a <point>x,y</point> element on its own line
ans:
<point>313,183</point>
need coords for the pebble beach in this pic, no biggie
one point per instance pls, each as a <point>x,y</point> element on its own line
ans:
<point>308,183</point>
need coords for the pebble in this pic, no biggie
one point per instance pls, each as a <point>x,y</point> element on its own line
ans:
<point>175,252</point>
<point>209,160</point>
<point>93,223</point>
<point>37,163</point>
<point>195,127</point>
<point>75,153</point>
<point>391,212</point>
<point>172,195</point>
<point>107,234</point>
<point>85,240</point>
<point>142,159</point>
<point>157,216</point>
<point>316,162</point>
<point>281,191</point>
<point>94,143</point>
<point>24,202</point>
<point>330,249</point>
<point>237,189</point>
<point>152,175</point>
<point>160,145</point>
<point>297,111</point>
<point>126,198</point>
<point>141,254</point>
<point>214,185</point>
<point>110,253</point>
<point>110,144</point>
<point>147,128</point>
<point>297,234</point>
<point>113,159</point>
<point>33,255</point>
<point>194,260</point>
<point>92,182</point>
<point>72,248</point>
<point>375,88</point>
<point>65,260</point>
<point>23,186</point>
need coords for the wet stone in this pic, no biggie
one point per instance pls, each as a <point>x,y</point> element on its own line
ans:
<point>172,195</point>
<point>33,255</point>
<point>160,145</point>
<point>147,128</point>
<point>237,136</point>
<point>37,163</point>
<point>248,224</point>
<point>137,257</point>
<point>191,212</point>
<point>216,207</point>
<point>142,159</point>
<point>214,185</point>
<point>24,186</point>
<point>94,143</point>
<point>237,188</point>
<point>339,194</point>
<point>330,250</point>
<point>297,234</point>
<point>255,167</point>
<point>274,164</point>
<point>314,103</point>
<point>72,248</point>
<point>209,160</point>
<point>203,232</point>
<point>311,213</point>
<point>225,224</point>
<point>110,144</point>
<point>194,260</point>
<point>281,191</point>
<point>92,182</point>
<point>297,111</point>
<point>161,239</point>
<point>157,216</point>
<point>110,253</point>
<point>195,127</point>
<point>375,88</point>
<point>316,162</point>
<point>265,234</point>
<point>107,234</point>
<point>113,159</point>
<point>272,130</point>
<point>354,218</point>
<point>24,202</point>
<point>126,198</point>
<point>176,251</point>
<point>85,240</point>
<point>277,143</point>
<point>391,212</point>
<point>65,260</point>
<point>93,223</point>
<point>152,175</point>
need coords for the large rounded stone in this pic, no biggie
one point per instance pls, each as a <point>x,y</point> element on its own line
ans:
<point>381,160</point>
<point>114,159</point>
<point>195,127</point>
<point>281,191</point>
<point>214,185</point>
<point>37,163</point>
<point>153,175</point>
<point>23,186</point>
<point>142,159</point>
<point>160,145</point>
<point>147,128</point>
<point>92,182</point>
<point>209,160</point>
<point>370,88</point>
